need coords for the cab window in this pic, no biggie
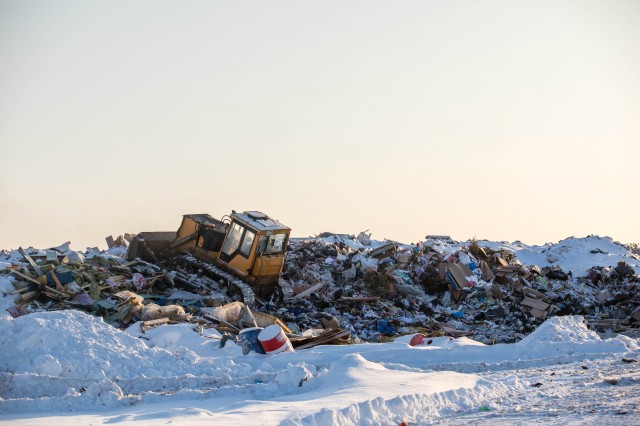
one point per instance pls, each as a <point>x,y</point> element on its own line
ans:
<point>272,244</point>
<point>247,242</point>
<point>233,239</point>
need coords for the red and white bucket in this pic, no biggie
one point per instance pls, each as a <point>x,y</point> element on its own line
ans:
<point>273,340</point>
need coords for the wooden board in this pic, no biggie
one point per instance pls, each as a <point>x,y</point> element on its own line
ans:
<point>533,303</point>
<point>328,336</point>
<point>452,331</point>
<point>486,271</point>
<point>538,313</point>
<point>28,278</point>
<point>264,320</point>
<point>57,281</point>
<point>535,294</point>
<point>31,262</point>
<point>310,291</point>
<point>360,299</point>
<point>496,292</point>
<point>153,323</point>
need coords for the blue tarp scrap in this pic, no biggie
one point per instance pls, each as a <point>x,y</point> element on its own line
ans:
<point>384,327</point>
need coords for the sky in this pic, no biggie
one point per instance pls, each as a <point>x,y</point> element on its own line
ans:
<point>497,120</point>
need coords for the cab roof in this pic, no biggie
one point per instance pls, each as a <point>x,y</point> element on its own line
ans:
<point>259,221</point>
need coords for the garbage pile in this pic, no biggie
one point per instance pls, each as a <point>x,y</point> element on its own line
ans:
<point>125,293</point>
<point>338,289</point>
<point>101,283</point>
<point>437,287</point>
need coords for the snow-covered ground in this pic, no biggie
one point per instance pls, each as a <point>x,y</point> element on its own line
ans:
<point>67,367</point>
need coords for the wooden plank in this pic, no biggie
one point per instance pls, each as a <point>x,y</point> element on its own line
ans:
<point>30,260</point>
<point>509,269</point>
<point>452,331</point>
<point>151,281</point>
<point>51,290</point>
<point>153,323</point>
<point>535,294</point>
<point>227,324</point>
<point>55,294</point>
<point>310,291</point>
<point>533,303</point>
<point>383,250</point>
<point>496,292</point>
<point>298,290</point>
<point>57,281</point>
<point>487,274</point>
<point>102,287</point>
<point>326,337</point>
<point>264,320</point>
<point>28,297</point>
<point>110,241</point>
<point>181,241</point>
<point>19,291</point>
<point>538,313</point>
<point>359,299</point>
<point>26,277</point>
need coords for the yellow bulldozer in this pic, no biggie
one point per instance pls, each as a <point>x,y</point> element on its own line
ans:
<point>245,251</point>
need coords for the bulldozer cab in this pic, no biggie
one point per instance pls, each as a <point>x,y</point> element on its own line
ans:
<point>254,247</point>
<point>249,245</point>
<point>201,235</point>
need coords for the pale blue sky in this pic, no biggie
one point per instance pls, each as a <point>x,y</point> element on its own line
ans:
<point>495,119</point>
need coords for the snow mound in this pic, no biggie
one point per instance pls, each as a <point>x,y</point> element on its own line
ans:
<point>105,393</point>
<point>578,254</point>
<point>569,335</point>
<point>400,396</point>
<point>294,376</point>
<point>6,299</point>
<point>61,344</point>
<point>352,370</point>
<point>181,340</point>
<point>571,254</point>
<point>568,329</point>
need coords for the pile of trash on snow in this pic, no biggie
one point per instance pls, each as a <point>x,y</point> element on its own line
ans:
<point>342,289</point>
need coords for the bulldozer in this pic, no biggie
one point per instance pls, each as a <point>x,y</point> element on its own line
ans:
<point>245,251</point>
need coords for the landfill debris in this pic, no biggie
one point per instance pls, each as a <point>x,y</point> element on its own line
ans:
<point>248,340</point>
<point>340,289</point>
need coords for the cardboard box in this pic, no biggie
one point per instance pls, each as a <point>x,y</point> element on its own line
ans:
<point>457,275</point>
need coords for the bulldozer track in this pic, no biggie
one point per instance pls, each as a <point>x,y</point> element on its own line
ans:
<point>287,289</point>
<point>248,296</point>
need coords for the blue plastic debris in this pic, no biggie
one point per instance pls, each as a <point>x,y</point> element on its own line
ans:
<point>384,327</point>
